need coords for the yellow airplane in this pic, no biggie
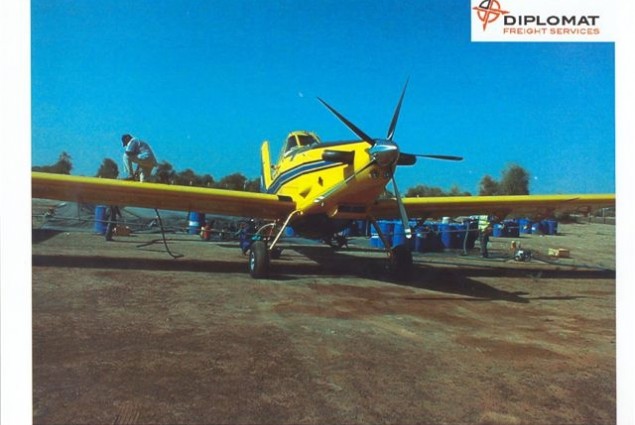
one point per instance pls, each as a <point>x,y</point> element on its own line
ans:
<point>317,188</point>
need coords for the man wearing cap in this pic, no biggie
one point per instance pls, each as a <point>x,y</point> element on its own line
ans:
<point>139,152</point>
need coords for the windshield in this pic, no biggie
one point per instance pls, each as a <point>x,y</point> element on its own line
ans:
<point>298,140</point>
<point>305,139</point>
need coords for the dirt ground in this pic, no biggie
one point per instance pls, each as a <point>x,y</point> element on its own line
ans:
<point>125,334</point>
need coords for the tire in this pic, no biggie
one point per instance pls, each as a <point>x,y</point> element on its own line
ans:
<point>401,262</point>
<point>258,260</point>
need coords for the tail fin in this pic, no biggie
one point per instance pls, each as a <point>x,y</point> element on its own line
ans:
<point>265,180</point>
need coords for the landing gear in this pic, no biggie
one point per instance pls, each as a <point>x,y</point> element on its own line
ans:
<point>258,260</point>
<point>336,241</point>
<point>263,248</point>
<point>400,262</point>
<point>399,257</point>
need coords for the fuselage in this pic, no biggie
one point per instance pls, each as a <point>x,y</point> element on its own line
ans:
<point>331,183</point>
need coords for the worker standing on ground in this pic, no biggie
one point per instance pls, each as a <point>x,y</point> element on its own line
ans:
<point>139,152</point>
<point>484,231</point>
<point>112,215</point>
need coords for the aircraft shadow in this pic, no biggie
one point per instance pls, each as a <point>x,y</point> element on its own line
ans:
<point>101,262</point>
<point>444,278</point>
<point>449,278</point>
<point>42,235</point>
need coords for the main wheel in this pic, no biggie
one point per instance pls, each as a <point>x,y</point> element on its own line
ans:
<point>401,262</point>
<point>258,260</point>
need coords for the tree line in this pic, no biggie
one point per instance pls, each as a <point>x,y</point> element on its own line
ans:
<point>514,179</point>
<point>165,173</point>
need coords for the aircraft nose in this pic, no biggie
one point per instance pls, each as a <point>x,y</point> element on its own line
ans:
<point>384,152</point>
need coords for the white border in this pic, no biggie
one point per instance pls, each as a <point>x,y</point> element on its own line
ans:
<point>15,225</point>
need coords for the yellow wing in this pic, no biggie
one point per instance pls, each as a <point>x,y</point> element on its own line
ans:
<point>153,195</point>
<point>501,206</point>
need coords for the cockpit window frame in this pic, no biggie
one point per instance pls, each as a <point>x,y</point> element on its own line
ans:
<point>298,141</point>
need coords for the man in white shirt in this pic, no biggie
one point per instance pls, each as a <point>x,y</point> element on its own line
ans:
<point>139,152</point>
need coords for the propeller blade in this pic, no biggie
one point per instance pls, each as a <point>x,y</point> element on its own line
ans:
<point>443,157</point>
<point>406,159</point>
<point>402,209</point>
<point>350,125</point>
<point>395,117</point>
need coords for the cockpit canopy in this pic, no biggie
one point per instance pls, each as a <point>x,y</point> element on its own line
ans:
<point>299,139</point>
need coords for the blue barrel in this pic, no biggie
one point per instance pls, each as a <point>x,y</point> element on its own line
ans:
<point>446,235</point>
<point>458,235</point>
<point>524,226</point>
<point>425,239</point>
<point>550,226</point>
<point>434,225</point>
<point>361,227</point>
<point>387,228</point>
<point>375,240</point>
<point>498,231</point>
<point>399,234</point>
<point>100,219</point>
<point>420,237</point>
<point>195,222</point>
<point>537,228</point>
<point>512,228</point>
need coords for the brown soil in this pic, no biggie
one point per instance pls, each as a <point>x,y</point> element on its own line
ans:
<point>124,334</point>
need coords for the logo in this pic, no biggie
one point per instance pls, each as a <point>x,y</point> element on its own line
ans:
<point>543,20</point>
<point>489,11</point>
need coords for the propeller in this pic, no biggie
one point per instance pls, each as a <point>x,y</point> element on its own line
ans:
<point>386,152</point>
<point>395,116</point>
<point>402,209</point>
<point>389,136</point>
<point>443,157</point>
<point>411,158</point>
<point>350,125</point>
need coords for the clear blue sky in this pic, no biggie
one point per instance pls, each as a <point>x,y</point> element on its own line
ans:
<point>205,82</point>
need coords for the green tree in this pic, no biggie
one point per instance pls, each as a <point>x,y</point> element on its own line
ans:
<point>455,190</point>
<point>488,186</point>
<point>207,180</point>
<point>187,177</point>
<point>108,169</point>
<point>234,181</point>
<point>62,166</point>
<point>515,181</point>
<point>165,173</point>
<point>423,191</point>
<point>253,185</point>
